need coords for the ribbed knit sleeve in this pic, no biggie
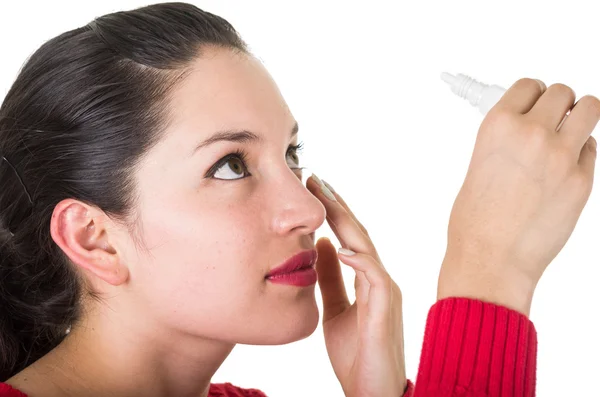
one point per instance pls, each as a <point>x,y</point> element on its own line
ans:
<point>8,391</point>
<point>476,349</point>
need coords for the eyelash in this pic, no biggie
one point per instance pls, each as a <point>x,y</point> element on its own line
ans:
<point>243,157</point>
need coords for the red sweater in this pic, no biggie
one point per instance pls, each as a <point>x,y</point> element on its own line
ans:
<point>470,349</point>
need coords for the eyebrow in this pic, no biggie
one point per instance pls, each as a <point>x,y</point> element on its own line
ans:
<point>242,136</point>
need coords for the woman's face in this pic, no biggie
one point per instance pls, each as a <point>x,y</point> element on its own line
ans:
<point>214,229</point>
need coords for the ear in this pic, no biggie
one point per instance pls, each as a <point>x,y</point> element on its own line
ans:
<point>80,231</point>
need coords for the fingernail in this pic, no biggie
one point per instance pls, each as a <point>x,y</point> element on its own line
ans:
<point>328,186</point>
<point>593,144</point>
<point>316,178</point>
<point>324,189</point>
<point>347,252</point>
<point>328,193</point>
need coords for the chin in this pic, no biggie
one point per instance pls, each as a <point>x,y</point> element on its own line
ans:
<point>295,324</point>
<point>302,328</point>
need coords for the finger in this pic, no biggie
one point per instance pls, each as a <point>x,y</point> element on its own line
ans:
<point>338,198</point>
<point>380,283</point>
<point>522,95</point>
<point>361,290</point>
<point>580,123</point>
<point>361,287</point>
<point>552,107</point>
<point>343,203</point>
<point>587,159</point>
<point>342,224</point>
<point>346,207</point>
<point>331,282</point>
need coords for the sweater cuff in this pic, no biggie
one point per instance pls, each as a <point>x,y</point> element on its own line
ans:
<point>472,348</point>
<point>410,389</point>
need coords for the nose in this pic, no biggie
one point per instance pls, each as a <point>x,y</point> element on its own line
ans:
<point>295,210</point>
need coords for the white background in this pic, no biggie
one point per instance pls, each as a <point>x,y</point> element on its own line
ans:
<point>363,80</point>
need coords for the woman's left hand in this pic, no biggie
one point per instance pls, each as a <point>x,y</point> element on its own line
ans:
<point>365,339</point>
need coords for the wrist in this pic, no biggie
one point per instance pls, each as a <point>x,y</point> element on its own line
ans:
<point>498,285</point>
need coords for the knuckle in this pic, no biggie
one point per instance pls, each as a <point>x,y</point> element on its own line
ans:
<point>537,136</point>
<point>562,90</point>
<point>364,229</point>
<point>529,84</point>
<point>563,159</point>
<point>497,114</point>
<point>387,283</point>
<point>591,103</point>
<point>498,119</point>
<point>592,143</point>
<point>582,183</point>
<point>539,131</point>
<point>382,277</point>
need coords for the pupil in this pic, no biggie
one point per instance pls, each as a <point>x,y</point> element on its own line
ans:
<point>235,166</point>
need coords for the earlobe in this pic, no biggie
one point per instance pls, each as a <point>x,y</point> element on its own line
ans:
<point>78,230</point>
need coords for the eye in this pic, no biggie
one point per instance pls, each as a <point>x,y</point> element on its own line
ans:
<point>230,167</point>
<point>233,166</point>
<point>292,155</point>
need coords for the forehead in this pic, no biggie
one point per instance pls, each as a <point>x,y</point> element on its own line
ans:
<point>229,90</point>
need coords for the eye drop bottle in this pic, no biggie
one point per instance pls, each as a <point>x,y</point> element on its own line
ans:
<point>481,96</point>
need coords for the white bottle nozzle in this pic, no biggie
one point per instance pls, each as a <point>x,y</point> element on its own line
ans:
<point>480,95</point>
<point>448,78</point>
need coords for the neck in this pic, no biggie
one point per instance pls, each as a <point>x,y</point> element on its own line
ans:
<point>127,357</point>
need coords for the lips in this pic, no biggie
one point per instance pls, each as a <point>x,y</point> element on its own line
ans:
<point>303,260</point>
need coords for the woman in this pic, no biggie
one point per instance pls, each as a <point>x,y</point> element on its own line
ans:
<point>153,216</point>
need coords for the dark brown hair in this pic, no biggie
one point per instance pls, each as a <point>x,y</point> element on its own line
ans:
<point>84,109</point>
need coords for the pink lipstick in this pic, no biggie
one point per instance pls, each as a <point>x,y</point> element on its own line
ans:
<point>298,271</point>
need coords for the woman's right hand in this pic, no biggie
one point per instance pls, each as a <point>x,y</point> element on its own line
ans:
<point>528,181</point>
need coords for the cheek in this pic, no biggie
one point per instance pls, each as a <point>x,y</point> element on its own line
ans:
<point>202,262</point>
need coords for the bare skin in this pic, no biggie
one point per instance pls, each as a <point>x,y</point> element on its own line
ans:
<point>172,310</point>
<point>171,314</point>
<point>525,189</point>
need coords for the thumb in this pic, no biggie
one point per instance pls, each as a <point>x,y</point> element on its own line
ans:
<point>331,283</point>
